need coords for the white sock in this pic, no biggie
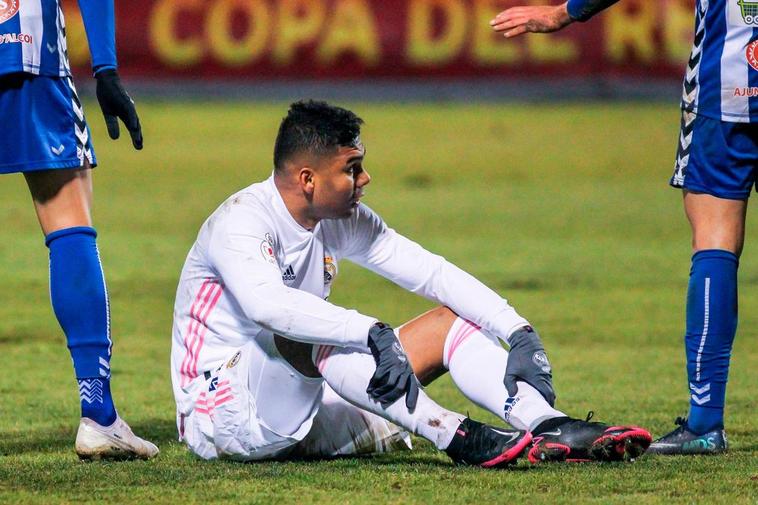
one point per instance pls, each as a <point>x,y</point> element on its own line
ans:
<point>477,361</point>
<point>348,372</point>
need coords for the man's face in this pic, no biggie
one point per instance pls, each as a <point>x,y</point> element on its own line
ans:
<point>339,183</point>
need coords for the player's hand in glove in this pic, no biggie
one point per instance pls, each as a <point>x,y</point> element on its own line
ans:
<point>528,362</point>
<point>393,377</point>
<point>117,104</point>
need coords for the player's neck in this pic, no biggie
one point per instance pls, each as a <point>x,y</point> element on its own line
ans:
<point>297,205</point>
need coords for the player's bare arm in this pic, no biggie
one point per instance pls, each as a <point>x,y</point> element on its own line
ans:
<point>532,19</point>
<point>546,18</point>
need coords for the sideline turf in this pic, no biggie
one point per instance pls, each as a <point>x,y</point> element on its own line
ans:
<point>562,208</point>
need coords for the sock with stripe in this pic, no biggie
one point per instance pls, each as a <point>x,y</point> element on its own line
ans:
<point>348,373</point>
<point>80,302</point>
<point>477,362</point>
<point>711,326</point>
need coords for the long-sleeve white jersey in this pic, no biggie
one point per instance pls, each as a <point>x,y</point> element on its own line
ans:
<point>254,269</point>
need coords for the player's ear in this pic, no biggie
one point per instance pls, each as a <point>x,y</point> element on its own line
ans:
<point>306,179</point>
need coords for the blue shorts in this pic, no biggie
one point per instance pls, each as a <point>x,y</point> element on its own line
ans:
<point>715,157</point>
<point>43,124</point>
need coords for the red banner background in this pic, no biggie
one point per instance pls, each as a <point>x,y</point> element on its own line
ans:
<point>376,39</point>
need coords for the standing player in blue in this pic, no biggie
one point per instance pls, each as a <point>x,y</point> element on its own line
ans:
<point>716,169</point>
<point>50,144</point>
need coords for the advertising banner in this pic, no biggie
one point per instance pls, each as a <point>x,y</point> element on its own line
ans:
<point>383,39</point>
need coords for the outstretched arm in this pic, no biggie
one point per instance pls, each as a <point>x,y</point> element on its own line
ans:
<point>409,265</point>
<point>100,24</point>
<point>546,18</point>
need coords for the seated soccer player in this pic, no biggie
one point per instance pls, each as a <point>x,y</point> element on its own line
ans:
<point>255,341</point>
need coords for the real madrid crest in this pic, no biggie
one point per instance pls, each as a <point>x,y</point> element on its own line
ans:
<point>330,270</point>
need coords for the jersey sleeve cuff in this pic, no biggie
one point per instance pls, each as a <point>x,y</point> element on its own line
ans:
<point>506,322</point>
<point>356,331</point>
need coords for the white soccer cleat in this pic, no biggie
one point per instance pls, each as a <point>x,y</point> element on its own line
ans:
<point>116,441</point>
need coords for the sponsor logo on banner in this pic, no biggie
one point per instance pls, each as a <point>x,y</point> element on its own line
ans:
<point>8,9</point>
<point>748,11</point>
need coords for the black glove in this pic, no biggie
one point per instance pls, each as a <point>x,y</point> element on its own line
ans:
<point>116,103</point>
<point>393,377</point>
<point>528,362</point>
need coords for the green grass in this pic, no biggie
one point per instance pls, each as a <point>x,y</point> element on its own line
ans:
<point>564,209</point>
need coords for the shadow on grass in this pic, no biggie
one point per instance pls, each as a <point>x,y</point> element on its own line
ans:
<point>16,336</point>
<point>61,439</point>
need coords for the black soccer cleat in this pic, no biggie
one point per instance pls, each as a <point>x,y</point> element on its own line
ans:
<point>682,441</point>
<point>574,440</point>
<point>477,444</point>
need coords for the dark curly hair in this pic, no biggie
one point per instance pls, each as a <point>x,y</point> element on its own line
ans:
<point>314,127</point>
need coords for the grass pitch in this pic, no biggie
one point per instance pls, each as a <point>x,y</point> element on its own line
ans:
<point>563,208</point>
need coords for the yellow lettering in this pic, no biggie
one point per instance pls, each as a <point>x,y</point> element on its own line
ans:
<point>351,29</point>
<point>426,48</point>
<point>677,30</point>
<point>229,50</point>
<point>168,47</point>
<point>299,23</point>
<point>490,48</point>
<point>633,29</point>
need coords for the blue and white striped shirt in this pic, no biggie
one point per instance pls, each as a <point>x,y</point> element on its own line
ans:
<point>33,36</point>
<point>722,73</point>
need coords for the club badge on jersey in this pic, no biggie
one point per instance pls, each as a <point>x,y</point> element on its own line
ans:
<point>330,270</point>
<point>8,9</point>
<point>32,38</point>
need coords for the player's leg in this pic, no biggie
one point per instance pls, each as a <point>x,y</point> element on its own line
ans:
<point>477,363</point>
<point>78,293</point>
<point>715,167</point>
<point>342,429</point>
<point>439,340</point>
<point>339,428</point>
<point>718,232</point>
<point>718,227</point>
<point>349,370</point>
<point>54,152</point>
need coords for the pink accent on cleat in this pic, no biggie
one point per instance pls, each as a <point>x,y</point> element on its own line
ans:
<point>511,454</point>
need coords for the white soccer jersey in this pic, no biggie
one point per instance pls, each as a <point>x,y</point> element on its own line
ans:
<point>253,269</point>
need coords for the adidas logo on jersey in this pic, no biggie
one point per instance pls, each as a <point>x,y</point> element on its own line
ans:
<point>288,275</point>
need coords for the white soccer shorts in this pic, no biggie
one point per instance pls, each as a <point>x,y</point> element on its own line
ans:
<point>231,422</point>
